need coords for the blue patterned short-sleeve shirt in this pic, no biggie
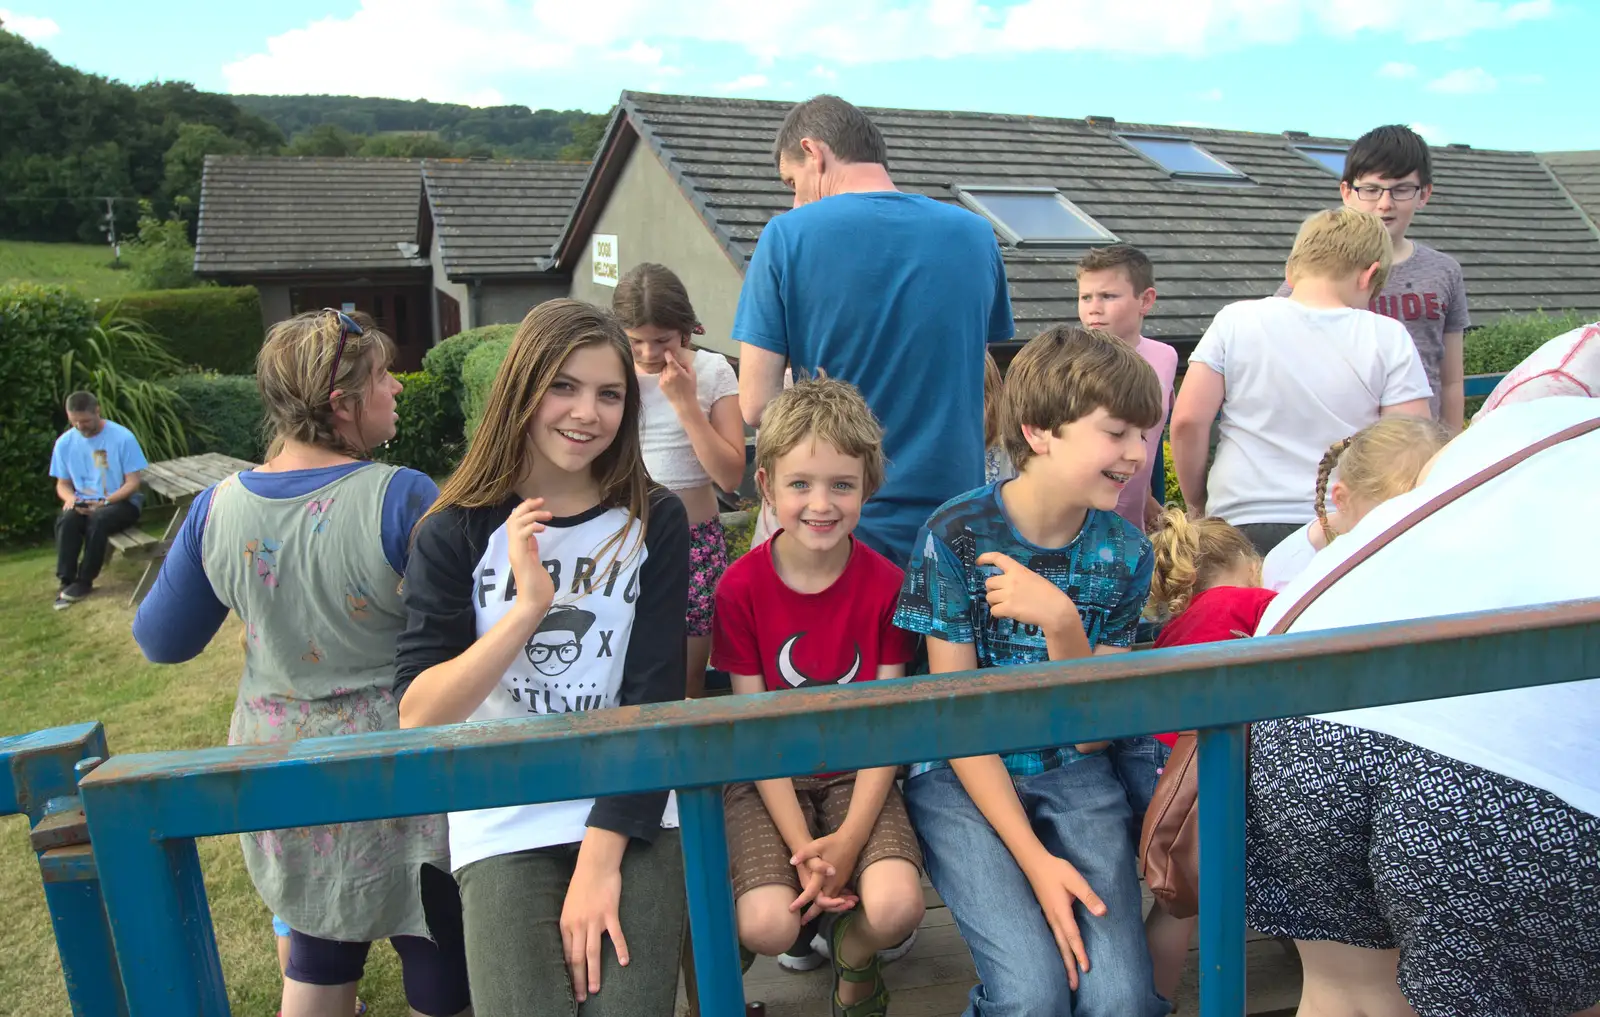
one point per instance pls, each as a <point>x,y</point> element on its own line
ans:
<point>1105,570</point>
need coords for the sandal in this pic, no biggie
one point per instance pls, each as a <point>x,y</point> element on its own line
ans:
<point>875,1005</point>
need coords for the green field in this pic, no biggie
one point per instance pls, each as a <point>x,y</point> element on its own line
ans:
<point>62,667</point>
<point>84,267</point>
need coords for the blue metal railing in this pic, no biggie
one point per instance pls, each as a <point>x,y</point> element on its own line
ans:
<point>144,811</point>
<point>39,775</point>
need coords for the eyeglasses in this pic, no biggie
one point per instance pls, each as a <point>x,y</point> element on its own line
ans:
<point>1400,192</point>
<point>347,328</point>
<point>539,653</point>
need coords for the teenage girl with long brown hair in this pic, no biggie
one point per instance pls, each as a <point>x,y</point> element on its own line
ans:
<point>691,433</point>
<point>308,549</point>
<point>552,576</point>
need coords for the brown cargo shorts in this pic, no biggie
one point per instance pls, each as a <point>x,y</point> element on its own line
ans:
<point>756,850</point>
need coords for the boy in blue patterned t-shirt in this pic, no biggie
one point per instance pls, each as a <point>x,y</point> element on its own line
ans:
<point>1033,569</point>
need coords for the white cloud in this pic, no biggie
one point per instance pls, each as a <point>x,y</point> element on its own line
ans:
<point>1432,134</point>
<point>743,83</point>
<point>1464,81</point>
<point>30,27</point>
<point>825,73</point>
<point>456,49</point>
<point>1397,70</point>
<point>1210,95</point>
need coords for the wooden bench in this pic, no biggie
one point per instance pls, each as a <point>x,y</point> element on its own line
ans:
<point>178,481</point>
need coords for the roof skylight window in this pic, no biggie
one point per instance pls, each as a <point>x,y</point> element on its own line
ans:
<point>1034,216</point>
<point>1328,157</point>
<point>1181,157</point>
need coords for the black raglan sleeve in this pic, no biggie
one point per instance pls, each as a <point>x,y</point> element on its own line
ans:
<point>653,671</point>
<point>437,593</point>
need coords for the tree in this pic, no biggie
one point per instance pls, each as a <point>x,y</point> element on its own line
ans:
<point>407,146</point>
<point>185,165</point>
<point>161,256</point>
<point>325,140</point>
<point>586,137</point>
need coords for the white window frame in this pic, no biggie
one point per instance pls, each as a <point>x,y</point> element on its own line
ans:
<point>971,196</point>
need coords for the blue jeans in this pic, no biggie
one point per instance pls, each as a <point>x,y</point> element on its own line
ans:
<point>1080,813</point>
<point>1138,762</point>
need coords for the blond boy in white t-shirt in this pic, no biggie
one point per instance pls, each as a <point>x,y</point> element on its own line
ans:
<point>1290,376</point>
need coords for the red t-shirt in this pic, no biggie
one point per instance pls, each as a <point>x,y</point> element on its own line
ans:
<point>799,640</point>
<point>1222,612</point>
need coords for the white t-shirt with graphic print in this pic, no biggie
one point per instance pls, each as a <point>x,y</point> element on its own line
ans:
<point>613,637</point>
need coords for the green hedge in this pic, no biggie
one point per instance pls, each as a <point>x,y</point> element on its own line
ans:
<point>214,328</point>
<point>1503,344</point>
<point>446,360</point>
<point>224,414</point>
<point>37,323</point>
<point>477,377</point>
<point>429,436</point>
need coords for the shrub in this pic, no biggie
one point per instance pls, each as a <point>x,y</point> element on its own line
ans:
<point>224,413</point>
<point>445,360</point>
<point>1174,495</point>
<point>116,360</point>
<point>477,376</point>
<point>161,256</point>
<point>214,328</point>
<point>429,437</point>
<point>1503,344</point>
<point>37,324</point>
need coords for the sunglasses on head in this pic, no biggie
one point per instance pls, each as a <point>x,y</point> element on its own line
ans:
<point>347,328</point>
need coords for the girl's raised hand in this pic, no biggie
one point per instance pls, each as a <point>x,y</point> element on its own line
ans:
<point>535,591</point>
<point>678,382</point>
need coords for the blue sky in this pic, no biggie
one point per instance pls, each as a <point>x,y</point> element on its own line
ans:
<point>1491,73</point>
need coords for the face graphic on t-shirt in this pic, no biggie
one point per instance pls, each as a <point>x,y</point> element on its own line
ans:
<point>558,642</point>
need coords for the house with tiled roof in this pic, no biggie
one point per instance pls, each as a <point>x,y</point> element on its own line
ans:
<point>427,247</point>
<point>689,181</point>
<point>488,228</point>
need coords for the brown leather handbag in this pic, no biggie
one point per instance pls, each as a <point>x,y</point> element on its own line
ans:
<point>1169,844</point>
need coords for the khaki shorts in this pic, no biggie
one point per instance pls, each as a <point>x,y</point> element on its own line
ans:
<point>758,855</point>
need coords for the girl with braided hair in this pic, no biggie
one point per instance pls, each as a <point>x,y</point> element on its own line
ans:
<point>308,550</point>
<point>1207,580</point>
<point>1376,463</point>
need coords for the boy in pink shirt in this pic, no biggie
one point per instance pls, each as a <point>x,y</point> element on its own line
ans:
<point>1116,290</point>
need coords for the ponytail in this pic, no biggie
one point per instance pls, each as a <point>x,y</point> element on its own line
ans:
<point>1330,459</point>
<point>1189,556</point>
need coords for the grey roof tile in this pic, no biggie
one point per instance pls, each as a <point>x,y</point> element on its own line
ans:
<point>1515,233</point>
<point>266,214</point>
<point>499,218</point>
<point>1579,173</point>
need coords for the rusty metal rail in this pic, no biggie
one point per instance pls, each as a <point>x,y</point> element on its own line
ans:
<point>145,810</point>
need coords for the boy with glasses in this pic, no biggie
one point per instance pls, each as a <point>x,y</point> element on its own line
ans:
<point>1389,172</point>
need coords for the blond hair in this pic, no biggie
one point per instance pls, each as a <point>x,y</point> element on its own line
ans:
<point>1341,242</point>
<point>1066,373</point>
<point>822,409</point>
<point>296,377</point>
<point>993,388</point>
<point>1379,461</point>
<point>498,455</point>
<point>1189,557</point>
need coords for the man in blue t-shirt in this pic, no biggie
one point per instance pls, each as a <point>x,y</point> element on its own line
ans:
<point>895,293</point>
<point>96,464</point>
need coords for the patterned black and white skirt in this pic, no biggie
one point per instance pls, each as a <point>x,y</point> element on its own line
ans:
<point>1488,887</point>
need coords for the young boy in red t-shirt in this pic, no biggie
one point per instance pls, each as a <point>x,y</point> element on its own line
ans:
<point>813,606</point>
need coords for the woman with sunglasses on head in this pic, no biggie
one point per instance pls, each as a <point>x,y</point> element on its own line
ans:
<point>309,549</point>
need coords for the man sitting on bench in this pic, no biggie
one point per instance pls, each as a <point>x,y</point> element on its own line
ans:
<point>96,464</point>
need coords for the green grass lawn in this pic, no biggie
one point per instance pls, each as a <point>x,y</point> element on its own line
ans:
<point>84,267</point>
<point>62,667</point>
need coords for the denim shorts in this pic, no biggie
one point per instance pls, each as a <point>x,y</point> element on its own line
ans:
<point>1138,762</point>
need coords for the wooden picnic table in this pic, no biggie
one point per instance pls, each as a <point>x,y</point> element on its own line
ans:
<point>177,480</point>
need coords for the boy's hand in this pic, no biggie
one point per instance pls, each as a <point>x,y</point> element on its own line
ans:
<point>1023,595</point>
<point>839,851</point>
<point>815,897</point>
<point>1058,886</point>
